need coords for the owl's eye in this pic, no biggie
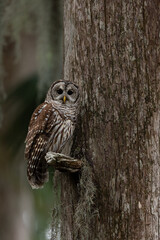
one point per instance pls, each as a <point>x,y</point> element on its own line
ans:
<point>59,91</point>
<point>70,92</point>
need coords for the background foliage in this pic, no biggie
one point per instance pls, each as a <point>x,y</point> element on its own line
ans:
<point>40,20</point>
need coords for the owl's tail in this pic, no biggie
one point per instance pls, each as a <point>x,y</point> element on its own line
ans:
<point>37,175</point>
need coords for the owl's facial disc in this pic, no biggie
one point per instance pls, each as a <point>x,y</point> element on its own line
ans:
<point>65,93</point>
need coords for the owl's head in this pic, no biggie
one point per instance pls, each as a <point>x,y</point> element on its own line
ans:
<point>64,92</point>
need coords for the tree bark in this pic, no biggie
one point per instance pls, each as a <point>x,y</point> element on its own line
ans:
<point>112,53</point>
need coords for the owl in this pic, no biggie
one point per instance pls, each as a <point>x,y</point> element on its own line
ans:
<point>51,126</point>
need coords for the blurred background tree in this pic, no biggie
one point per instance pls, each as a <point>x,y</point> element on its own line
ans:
<point>30,60</point>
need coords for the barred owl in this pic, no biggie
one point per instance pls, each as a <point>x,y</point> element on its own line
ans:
<point>51,126</point>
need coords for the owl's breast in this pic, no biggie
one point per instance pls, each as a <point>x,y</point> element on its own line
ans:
<point>61,134</point>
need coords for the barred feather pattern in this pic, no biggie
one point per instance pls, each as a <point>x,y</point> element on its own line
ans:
<point>51,126</point>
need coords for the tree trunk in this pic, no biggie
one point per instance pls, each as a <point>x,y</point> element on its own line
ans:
<point>112,53</point>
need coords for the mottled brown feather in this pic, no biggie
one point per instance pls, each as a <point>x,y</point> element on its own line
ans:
<point>41,122</point>
<point>39,132</point>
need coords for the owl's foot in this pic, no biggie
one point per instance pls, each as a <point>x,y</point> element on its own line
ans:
<point>62,162</point>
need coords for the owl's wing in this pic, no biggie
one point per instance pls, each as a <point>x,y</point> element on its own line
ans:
<point>42,121</point>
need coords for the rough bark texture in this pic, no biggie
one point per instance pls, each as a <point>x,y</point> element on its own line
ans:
<point>112,52</point>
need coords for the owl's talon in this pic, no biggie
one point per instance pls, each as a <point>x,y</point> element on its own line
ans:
<point>63,163</point>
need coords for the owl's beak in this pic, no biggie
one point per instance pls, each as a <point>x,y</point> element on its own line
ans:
<point>64,99</point>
